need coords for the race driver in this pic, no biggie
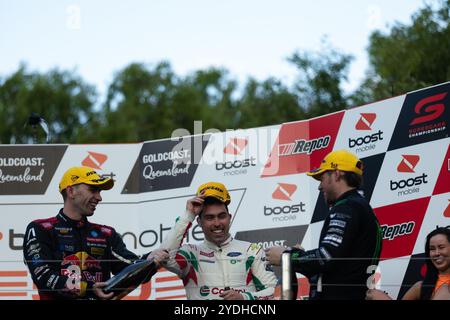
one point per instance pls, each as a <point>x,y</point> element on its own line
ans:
<point>68,256</point>
<point>221,267</point>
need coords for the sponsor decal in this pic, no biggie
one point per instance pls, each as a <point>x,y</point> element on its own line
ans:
<point>333,238</point>
<point>236,146</point>
<point>284,213</point>
<point>97,251</point>
<point>442,183</point>
<point>408,163</point>
<point>63,230</point>
<point>28,170</point>
<point>367,142</point>
<point>400,230</point>
<point>218,291</point>
<point>106,231</point>
<point>94,160</point>
<point>338,223</point>
<point>96,240</point>
<point>66,247</point>
<point>424,117</point>
<point>410,185</point>
<point>429,109</point>
<point>397,230</point>
<point>284,191</point>
<point>234,254</point>
<point>237,166</point>
<point>166,164</point>
<point>302,145</point>
<point>204,291</point>
<point>207,254</point>
<point>366,121</point>
<point>207,261</point>
<point>81,259</point>
<point>150,237</point>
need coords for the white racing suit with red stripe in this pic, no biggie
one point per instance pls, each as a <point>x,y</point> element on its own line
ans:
<point>207,269</point>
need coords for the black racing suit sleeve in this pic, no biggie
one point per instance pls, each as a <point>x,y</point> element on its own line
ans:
<point>335,240</point>
<point>122,257</point>
<point>40,260</point>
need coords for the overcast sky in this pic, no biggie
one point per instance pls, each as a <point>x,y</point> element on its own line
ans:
<point>248,37</point>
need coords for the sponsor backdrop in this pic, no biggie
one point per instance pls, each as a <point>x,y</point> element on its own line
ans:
<point>403,141</point>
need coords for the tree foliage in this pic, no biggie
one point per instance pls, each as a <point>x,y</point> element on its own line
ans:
<point>145,102</point>
<point>408,57</point>
<point>60,97</point>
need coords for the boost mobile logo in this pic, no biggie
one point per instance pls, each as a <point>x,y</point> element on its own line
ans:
<point>284,191</point>
<point>365,122</point>
<point>235,146</point>
<point>408,163</point>
<point>431,111</point>
<point>94,160</point>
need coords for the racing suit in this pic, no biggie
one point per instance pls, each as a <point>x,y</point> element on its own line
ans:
<point>60,251</point>
<point>207,269</point>
<point>348,253</point>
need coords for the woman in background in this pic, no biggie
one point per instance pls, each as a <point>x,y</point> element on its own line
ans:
<point>436,284</point>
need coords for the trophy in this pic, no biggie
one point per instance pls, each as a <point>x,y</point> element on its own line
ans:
<point>130,278</point>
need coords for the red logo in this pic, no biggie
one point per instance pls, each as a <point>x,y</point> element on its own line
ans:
<point>447,211</point>
<point>400,230</point>
<point>94,160</point>
<point>365,122</point>
<point>235,146</point>
<point>301,145</point>
<point>432,111</point>
<point>284,191</point>
<point>408,163</point>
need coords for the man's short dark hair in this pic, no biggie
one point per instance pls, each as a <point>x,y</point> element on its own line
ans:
<point>212,200</point>
<point>64,194</point>
<point>353,180</point>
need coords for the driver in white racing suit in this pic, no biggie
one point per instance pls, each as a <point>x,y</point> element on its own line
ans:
<point>221,267</point>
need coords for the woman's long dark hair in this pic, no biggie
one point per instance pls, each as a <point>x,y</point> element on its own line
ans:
<point>431,276</point>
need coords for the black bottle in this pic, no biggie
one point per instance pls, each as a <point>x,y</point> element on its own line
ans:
<point>130,278</point>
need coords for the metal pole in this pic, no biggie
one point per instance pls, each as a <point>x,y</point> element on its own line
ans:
<point>286,274</point>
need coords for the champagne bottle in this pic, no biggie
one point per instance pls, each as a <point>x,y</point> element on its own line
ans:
<point>130,278</point>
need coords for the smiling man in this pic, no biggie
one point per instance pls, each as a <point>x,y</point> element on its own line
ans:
<point>221,267</point>
<point>68,256</point>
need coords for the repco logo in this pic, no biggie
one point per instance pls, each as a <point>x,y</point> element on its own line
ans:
<point>303,146</point>
<point>397,230</point>
<point>407,165</point>
<point>430,107</point>
<point>221,290</point>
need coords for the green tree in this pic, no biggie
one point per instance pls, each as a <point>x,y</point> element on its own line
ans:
<point>137,106</point>
<point>267,103</point>
<point>62,98</point>
<point>408,57</point>
<point>319,85</point>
